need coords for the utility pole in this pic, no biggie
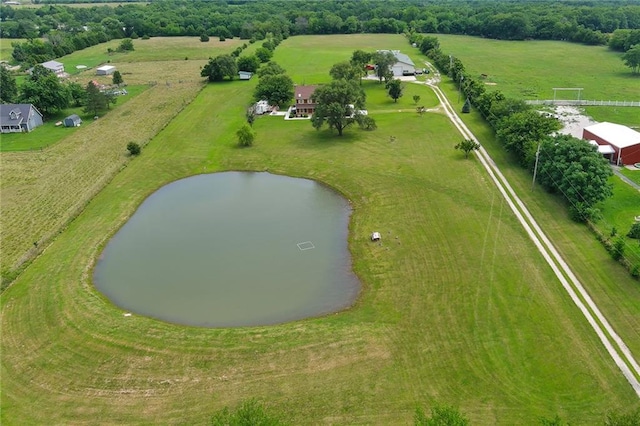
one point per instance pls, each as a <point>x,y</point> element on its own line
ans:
<point>535,168</point>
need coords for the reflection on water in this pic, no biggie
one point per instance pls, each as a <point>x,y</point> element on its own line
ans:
<point>232,249</point>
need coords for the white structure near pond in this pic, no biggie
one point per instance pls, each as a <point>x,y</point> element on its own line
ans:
<point>105,70</point>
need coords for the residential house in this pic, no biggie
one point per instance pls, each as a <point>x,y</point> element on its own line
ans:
<point>304,105</point>
<point>15,118</point>
<point>55,67</point>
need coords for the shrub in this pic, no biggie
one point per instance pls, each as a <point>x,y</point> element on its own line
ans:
<point>367,123</point>
<point>204,38</point>
<point>634,232</point>
<point>133,148</point>
<point>222,38</point>
<point>617,249</point>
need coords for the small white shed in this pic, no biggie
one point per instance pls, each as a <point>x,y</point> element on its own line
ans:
<point>105,70</point>
<point>375,236</point>
<point>245,75</point>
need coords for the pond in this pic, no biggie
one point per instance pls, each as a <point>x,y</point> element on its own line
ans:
<point>232,249</point>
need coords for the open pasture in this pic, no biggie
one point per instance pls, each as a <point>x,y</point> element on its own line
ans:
<point>6,47</point>
<point>457,305</point>
<point>531,69</point>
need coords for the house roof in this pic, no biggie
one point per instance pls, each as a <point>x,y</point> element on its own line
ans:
<point>400,57</point>
<point>304,92</point>
<point>615,134</point>
<point>52,64</point>
<point>20,113</point>
<point>105,68</point>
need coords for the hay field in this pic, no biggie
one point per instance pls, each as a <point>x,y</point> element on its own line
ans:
<point>42,190</point>
<point>457,306</point>
<point>57,182</point>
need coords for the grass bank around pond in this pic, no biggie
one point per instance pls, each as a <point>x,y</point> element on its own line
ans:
<point>457,305</point>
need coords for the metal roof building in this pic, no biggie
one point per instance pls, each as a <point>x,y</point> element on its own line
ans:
<point>624,141</point>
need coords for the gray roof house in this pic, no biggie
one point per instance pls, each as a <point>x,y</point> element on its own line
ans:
<point>72,121</point>
<point>16,118</point>
<point>54,66</point>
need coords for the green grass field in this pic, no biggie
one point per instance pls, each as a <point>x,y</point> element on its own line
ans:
<point>457,305</point>
<point>531,69</point>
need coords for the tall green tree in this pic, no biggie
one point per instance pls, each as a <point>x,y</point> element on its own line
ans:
<point>248,63</point>
<point>77,93</point>
<point>97,101</point>
<point>8,86</point>
<point>344,70</point>
<point>467,146</point>
<point>276,89</point>
<point>270,68</point>
<point>575,170</point>
<point>395,89</point>
<point>384,60</point>
<point>117,78</point>
<point>333,104</point>
<point>44,89</point>
<point>220,67</point>
<point>359,60</point>
<point>631,59</point>
<point>521,132</point>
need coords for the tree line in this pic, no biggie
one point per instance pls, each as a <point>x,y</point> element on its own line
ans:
<point>66,29</point>
<point>564,165</point>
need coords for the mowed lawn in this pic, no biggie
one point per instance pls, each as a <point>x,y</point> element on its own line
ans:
<point>457,307</point>
<point>607,281</point>
<point>531,69</point>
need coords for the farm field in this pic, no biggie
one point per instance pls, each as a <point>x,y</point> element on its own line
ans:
<point>457,306</point>
<point>6,48</point>
<point>94,153</point>
<point>531,69</point>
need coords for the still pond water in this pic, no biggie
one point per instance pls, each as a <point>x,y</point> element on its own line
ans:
<point>232,249</point>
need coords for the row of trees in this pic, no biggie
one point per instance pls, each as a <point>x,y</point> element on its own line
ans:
<point>227,66</point>
<point>44,89</point>
<point>68,28</point>
<point>564,165</point>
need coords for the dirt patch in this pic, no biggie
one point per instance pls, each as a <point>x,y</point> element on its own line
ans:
<point>573,120</point>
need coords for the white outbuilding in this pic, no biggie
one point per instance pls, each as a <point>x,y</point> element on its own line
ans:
<point>105,70</point>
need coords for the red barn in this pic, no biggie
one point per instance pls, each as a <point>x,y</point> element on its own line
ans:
<point>624,141</point>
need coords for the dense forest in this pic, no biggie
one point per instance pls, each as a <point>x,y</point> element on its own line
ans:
<point>67,29</point>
